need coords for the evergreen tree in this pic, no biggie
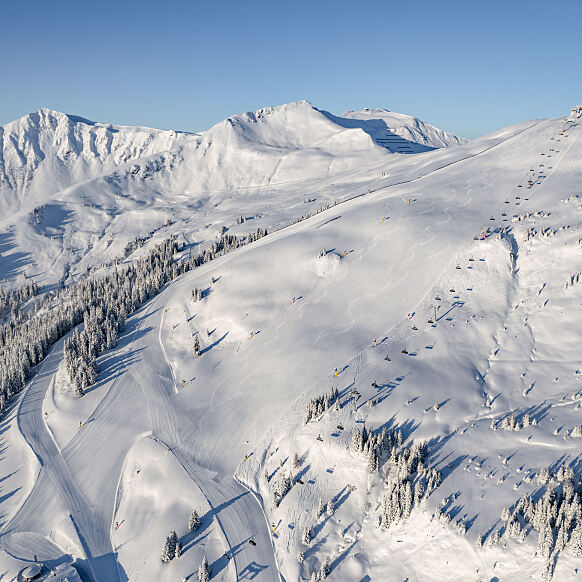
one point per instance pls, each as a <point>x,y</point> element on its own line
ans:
<point>545,542</point>
<point>194,521</point>
<point>575,543</point>
<point>372,460</point>
<point>330,507</point>
<point>356,445</point>
<point>204,571</point>
<point>169,547</point>
<point>320,508</point>
<point>407,502</point>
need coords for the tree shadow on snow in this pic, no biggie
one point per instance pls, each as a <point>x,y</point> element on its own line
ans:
<point>214,344</point>
<point>11,264</point>
<point>301,474</point>
<point>226,504</point>
<point>251,571</point>
<point>114,365</point>
<point>192,538</point>
<point>341,557</point>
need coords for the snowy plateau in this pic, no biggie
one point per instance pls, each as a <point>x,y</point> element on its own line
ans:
<point>296,346</point>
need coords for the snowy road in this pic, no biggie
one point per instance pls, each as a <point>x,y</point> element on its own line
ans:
<point>56,490</point>
<point>81,481</point>
<point>236,509</point>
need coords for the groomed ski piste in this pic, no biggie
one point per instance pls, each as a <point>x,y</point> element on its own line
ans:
<point>439,299</point>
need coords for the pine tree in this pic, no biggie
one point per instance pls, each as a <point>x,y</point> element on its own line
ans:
<point>545,542</point>
<point>324,570</point>
<point>194,521</point>
<point>493,539</point>
<point>169,548</point>
<point>330,507</point>
<point>196,346</point>
<point>408,500</point>
<point>544,476</point>
<point>372,460</point>
<point>356,445</point>
<point>320,508</point>
<point>575,544</point>
<point>306,536</point>
<point>204,571</point>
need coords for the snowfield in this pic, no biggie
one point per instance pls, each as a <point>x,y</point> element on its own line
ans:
<point>82,195</point>
<point>388,390</point>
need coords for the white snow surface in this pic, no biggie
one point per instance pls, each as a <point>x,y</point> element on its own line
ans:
<point>402,133</point>
<point>75,193</point>
<point>163,432</point>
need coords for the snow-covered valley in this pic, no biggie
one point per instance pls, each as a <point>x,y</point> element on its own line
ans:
<point>386,387</point>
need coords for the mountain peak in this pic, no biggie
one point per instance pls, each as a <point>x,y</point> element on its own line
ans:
<point>384,126</point>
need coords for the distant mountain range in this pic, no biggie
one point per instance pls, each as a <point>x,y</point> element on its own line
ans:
<point>74,193</point>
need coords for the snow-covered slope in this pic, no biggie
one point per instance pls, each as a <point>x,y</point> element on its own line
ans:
<point>79,192</point>
<point>47,151</point>
<point>401,133</point>
<point>441,301</point>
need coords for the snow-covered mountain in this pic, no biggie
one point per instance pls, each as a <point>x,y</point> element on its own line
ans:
<point>82,191</point>
<point>47,151</point>
<point>387,386</point>
<point>401,133</point>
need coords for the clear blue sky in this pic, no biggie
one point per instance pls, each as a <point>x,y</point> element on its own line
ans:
<point>466,66</point>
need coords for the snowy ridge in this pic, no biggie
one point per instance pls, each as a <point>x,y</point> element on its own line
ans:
<point>47,151</point>
<point>385,126</point>
<point>81,194</point>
